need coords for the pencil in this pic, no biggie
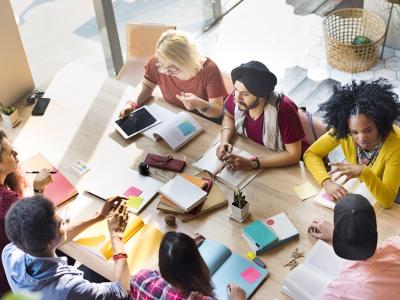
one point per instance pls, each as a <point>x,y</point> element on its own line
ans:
<point>37,172</point>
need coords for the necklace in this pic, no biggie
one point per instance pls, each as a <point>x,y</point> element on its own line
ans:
<point>368,157</point>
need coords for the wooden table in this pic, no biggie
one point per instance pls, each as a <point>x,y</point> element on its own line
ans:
<point>79,125</point>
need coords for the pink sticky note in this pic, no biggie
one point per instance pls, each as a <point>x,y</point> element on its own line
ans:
<point>250,274</point>
<point>132,191</point>
<point>327,196</point>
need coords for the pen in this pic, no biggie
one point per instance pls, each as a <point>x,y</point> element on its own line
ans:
<point>67,214</point>
<point>37,172</point>
<point>256,260</point>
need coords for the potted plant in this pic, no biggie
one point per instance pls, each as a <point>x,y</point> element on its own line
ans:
<point>240,207</point>
<point>9,114</point>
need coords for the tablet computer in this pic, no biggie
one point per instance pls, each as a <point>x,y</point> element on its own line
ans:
<point>136,122</point>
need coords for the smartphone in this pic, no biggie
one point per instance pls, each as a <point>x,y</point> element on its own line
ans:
<point>40,106</point>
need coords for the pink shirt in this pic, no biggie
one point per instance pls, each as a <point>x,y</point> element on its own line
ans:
<point>375,278</point>
<point>288,120</point>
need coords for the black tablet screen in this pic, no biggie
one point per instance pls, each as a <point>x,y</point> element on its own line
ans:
<point>136,121</point>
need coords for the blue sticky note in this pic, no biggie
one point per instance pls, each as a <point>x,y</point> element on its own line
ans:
<point>186,128</point>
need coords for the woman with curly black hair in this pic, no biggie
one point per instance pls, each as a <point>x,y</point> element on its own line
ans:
<point>361,117</point>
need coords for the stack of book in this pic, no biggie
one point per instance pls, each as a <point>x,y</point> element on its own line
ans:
<point>262,235</point>
<point>185,204</point>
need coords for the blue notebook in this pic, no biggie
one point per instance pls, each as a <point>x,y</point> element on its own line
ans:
<point>227,267</point>
<point>260,234</point>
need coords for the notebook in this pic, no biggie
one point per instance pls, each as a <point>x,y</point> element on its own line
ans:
<point>175,129</point>
<point>233,179</point>
<point>216,199</point>
<point>141,243</point>
<point>60,190</point>
<point>125,182</point>
<point>183,193</point>
<point>309,280</point>
<point>227,267</point>
<point>269,233</point>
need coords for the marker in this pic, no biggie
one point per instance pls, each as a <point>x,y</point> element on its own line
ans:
<point>257,260</point>
<point>37,172</point>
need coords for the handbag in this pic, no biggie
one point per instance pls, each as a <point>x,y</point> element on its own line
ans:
<point>165,162</point>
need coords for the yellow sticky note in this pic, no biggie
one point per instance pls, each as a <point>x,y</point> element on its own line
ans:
<point>251,255</point>
<point>134,202</point>
<point>305,191</point>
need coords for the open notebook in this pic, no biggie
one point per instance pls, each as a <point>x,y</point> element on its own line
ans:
<point>309,280</point>
<point>175,129</point>
<point>124,182</point>
<point>59,191</point>
<point>234,179</point>
<point>227,267</point>
<point>354,186</point>
<point>141,242</point>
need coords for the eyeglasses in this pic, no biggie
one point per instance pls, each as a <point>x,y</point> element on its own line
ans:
<point>166,69</point>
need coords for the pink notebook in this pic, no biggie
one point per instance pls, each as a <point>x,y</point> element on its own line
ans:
<point>60,190</point>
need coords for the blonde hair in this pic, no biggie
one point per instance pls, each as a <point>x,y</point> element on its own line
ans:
<point>175,47</point>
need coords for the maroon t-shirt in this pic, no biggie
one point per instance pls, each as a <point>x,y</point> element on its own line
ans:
<point>288,120</point>
<point>7,198</point>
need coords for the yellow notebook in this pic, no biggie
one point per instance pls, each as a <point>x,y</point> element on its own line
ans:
<point>143,247</point>
<point>97,236</point>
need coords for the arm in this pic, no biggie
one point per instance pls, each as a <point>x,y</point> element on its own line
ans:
<point>212,108</point>
<point>228,130</point>
<point>289,157</point>
<point>146,91</point>
<point>384,190</point>
<point>314,154</point>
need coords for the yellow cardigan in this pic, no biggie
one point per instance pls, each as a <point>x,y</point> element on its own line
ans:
<point>382,178</point>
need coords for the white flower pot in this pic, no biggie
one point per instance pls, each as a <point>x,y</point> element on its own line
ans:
<point>11,120</point>
<point>240,214</point>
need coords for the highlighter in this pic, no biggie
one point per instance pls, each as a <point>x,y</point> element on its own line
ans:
<point>257,260</point>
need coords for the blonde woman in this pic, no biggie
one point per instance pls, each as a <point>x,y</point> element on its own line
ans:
<point>186,79</point>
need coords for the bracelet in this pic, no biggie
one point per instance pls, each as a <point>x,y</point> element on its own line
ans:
<point>119,255</point>
<point>132,104</point>
<point>226,127</point>
<point>38,191</point>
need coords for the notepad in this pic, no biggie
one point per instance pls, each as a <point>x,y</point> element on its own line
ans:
<point>250,274</point>
<point>259,234</point>
<point>305,190</point>
<point>134,202</point>
<point>132,191</point>
<point>183,193</point>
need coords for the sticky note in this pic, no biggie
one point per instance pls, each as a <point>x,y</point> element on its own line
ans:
<point>250,275</point>
<point>134,202</point>
<point>251,255</point>
<point>327,196</point>
<point>305,191</point>
<point>132,191</point>
<point>186,128</point>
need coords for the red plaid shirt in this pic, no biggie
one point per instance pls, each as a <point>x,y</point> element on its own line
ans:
<point>149,285</point>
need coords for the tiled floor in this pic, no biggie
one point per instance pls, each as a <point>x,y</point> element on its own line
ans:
<point>57,32</point>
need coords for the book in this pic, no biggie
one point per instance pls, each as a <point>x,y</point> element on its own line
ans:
<point>309,279</point>
<point>141,243</point>
<point>175,129</point>
<point>233,179</point>
<point>216,199</point>
<point>183,193</point>
<point>139,189</point>
<point>58,191</point>
<point>354,186</point>
<point>228,267</point>
<point>269,233</point>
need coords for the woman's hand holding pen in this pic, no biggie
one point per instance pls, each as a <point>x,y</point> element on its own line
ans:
<point>224,151</point>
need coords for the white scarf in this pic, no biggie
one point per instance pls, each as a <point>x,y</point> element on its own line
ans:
<point>272,138</point>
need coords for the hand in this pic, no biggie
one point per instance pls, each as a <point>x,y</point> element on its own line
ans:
<point>126,110</point>
<point>236,162</point>
<point>335,190</point>
<point>42,179</point>
<point>235,292</point>
<point>118,220</point>
<point>348,170</point>
<point>223,149</point>
<point>198,239</point>
<point>190,101</point>
<point>111,204</point>
<point>321,230</point>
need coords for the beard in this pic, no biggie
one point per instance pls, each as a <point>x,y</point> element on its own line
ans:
<point>244,107</point>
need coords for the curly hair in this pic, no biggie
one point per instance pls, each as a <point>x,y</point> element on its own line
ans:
<point>374,99</point>
<point>30,224</point>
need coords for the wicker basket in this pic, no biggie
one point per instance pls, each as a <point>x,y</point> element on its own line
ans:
<point>341,27</point>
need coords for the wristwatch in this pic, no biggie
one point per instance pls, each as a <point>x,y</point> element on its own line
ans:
<point>255,163</point>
